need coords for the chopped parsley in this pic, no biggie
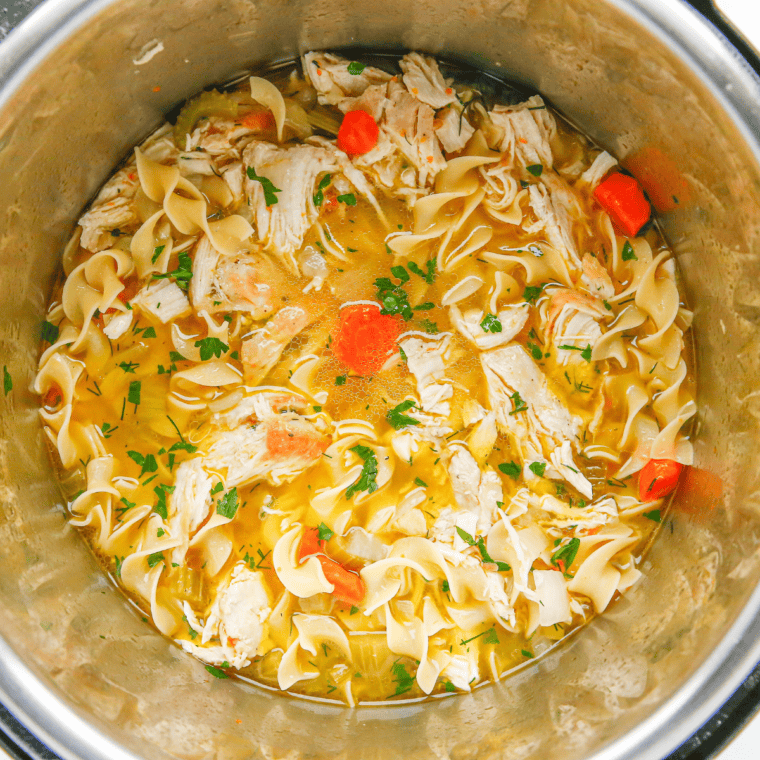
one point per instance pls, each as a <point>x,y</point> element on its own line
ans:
<point>537,468</point>
<point>481,544</point>
<point>50,332</point>
<point>319,196</point>
<point>526,653</point>
<point>396,417</point>
<point>147,463</point>
<point>340,380</point>
<point>511,468</point>
<point>655,515</point>
<point>490,634</point>
<point>427,306</point>
<point>565,555</point>
<point>227,506</point>
<point>157,251</point>
<point>532,292</point>
<point>535,351</point>
<point>160,506</point>
<point>429,327</point>
<point>348,198</point>
<point>428,275</point>
<point>519,404</point>
<point>150,332</point>
<point>155,558</point>
<point>585,352</point>
<point>420,482</point>
<point>353,610</point>
<point>133,396</point>
<point>7,381</point>
<point>182,274</point>
<point>211,347</point>
<point>325,534</point>
<point>393,297</point>
<point>536,169</point>
<point>107,430</point>
<point>266,185</point>
<point>367,481</point>
<point>211,669</point>
<point>401,678</point>
<point>448,686</point>
<point>128,367</point>
<point>356,68</point>
<point>628,252</point>
<point>491,324</point>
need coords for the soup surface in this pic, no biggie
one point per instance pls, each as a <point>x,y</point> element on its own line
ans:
<point>365,386</point>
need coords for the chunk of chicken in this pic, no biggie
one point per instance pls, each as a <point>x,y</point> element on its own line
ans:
<point>252,283</point>
<point>189,504</point>
<point>556,208</point>
<point>426,359</point>
<point>264,347</point>
<point>581,520</point>
<point>162,299</point>
<point>572,324</point>
<point>516,383</point>
<point>453,130</point>
<point>596,278</point>
<point>524,132</point>
<point>511,320</point>
<point>292,172</point>
<point>424,80</point>
<point>562,459</point>
<point>105,222</point>
<point>278,450</point>
<point>332,80</point>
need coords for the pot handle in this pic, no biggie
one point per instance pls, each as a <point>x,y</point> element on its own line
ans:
<point>725,27</point>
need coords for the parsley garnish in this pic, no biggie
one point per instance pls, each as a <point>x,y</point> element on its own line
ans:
<point>481,544</point>
<point>490,634</point>
<point>585,352</point>
<point>155,558</point>
<point>565,555</point>
<point>340,380</point>
<point>319,196</point>
<point>535,351</point>
<point>526,653</point>
<point>148,463</point>
<point>7,381</point>
<point>227,506</point>
<point>511,468</point>
<point>353,610</point>
<point>367,481</point>
<point>654,515</point>
<point>628,252</point>
<point>448,686</point>
<point>129,367</point>
<point>537,468</point>
<point>107,430</point>
<point>215,671</point>
<point>429,327</point>
<point>420,482</point>
<point>356,68</point>
<point>531,293</point>
<point>211,347</point>
<point>519,404</point>
<point>160,506</point>
<point>348,198</point>
<point>491,323</point>
<point>157,251</point>
<point>150,332</point>
<point>127,505</point>
<point>535,169</point>
<point>393,297</point>
<point>429,275</point>
<point>133,397</point>
<point>325,534</point>
<point>119,562</point>
<point>401,678</point>
<point>182,274</point>
<point>266,185</point>
<point>50,332</point>
<point>396,417</point>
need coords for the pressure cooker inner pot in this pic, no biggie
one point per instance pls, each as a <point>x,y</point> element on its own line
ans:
<point>80,666</point>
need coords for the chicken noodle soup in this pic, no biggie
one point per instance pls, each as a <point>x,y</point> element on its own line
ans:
<point>367,407</point>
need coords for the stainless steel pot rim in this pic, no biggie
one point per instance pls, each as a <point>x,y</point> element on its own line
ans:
<point>731,81</point>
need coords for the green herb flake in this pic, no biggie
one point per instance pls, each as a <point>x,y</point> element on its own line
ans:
<point>526,653</point>
<point>420,482</point>
<point>511,468</point>
<point>133,396</point>
<point>215,671</point>
<point>211,347</point>
<point>565,555</point>
<point>155,558</point>
<point>367,481</point>
<point>266,185</point>
<point>340,380</point>
<point>449,687</point>
<point>519,404</point>
<point>396,417</point>
<point>531,293</point>
<point>628,252</point>
<point>7,381</point>
<point>537,468</point>
<point>50,332</point>
<point>429,275</point>
<point>491,324</point>
<point>356,68</point>
<point>535,169</point>
<point>157,251</point>
<point>401,678</point>
<point>227,506</point>
<point>655,515</point>
<point>325,534</point>
<point>319,196</point>
<point>348,198</point>
<point>182,274</point>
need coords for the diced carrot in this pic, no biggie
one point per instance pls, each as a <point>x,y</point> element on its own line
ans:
<point>349,587</point>
<point>623,199</point>
<point>130,290</point>
<point>283,442</point>
<point>658,478</point>
<point>358,133</point>
<point>53,397</point>
<point>310,545</point>
<point>330,203</point>
<point>258,120</point>
<point>366,338</point>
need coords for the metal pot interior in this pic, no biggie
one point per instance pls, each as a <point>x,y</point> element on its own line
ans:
<point>77,663</point>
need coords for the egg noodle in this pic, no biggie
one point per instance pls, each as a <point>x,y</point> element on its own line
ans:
<point>362,418</point>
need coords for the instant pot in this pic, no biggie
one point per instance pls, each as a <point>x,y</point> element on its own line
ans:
<point>81,81</point>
